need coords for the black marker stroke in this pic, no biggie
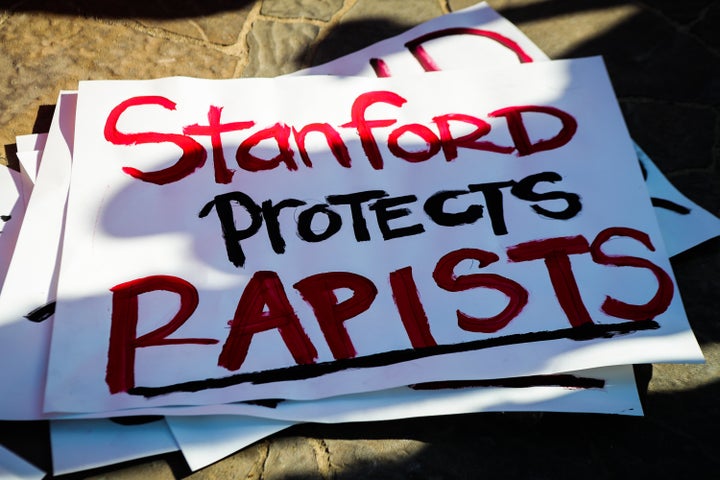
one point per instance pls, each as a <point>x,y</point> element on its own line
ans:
<point>136,420</point>
<point>559,380</point>
<point>302,372</point>
<point>265,402</point>
<point>669,205</point>
<point>41,313</point>
<point>661,202</point>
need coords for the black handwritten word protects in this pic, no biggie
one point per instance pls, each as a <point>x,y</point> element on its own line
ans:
<point>238,208</point>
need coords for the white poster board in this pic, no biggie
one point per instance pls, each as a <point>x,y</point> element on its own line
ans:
<point>131,231</point>
<point>79,445</point>
<point>28,294</point>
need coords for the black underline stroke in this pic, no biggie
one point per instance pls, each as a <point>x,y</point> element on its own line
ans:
<point>561,380</point>
<point>564,380</point>
<point>303,372</point>
<point>669,205</point>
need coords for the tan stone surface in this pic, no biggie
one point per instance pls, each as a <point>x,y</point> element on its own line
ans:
<point>59,51</point>
<point>400,11</point>
<point>292,456</point>
<point>152,469</point>
<point>346,455</point>
<point>247,464</point>
<point>221,28</point>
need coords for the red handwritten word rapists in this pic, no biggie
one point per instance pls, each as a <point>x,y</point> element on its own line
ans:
<point>264,304</point>
<point>437,139</point>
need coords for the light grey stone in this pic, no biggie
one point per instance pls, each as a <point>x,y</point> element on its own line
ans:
<point>313,9</point>
<point>399,11</point>
<point>278,48</point>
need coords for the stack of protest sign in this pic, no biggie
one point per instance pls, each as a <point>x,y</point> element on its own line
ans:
<point>445,222</point>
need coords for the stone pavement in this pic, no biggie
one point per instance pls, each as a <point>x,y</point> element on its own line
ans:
<point>664,59</point>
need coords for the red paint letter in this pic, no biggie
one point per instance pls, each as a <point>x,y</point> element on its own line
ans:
<point>380,67</point>
<point>524,145</point>
<point>214,128</point>
<point>555,252</point>
<point>431,141</point>
<point>193,156</point>
<point>319,291</point>
<point>364,127</point>
<point>281,133</point>
<point>450,144</point>
<point>429,65</point>
<point>446,279</point>
<point>265,288</point>
<point>410,308</point>
<point>120,374</point>
<point>334,141</point>
<point>659,303</point>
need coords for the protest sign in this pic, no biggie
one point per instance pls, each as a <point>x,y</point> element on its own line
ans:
<point>28,375</point>
<point>368,191</point>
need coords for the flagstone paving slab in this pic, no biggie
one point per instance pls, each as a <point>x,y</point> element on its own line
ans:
<point>277,48</point>
<point>664,60</point>
<point>311,9</point>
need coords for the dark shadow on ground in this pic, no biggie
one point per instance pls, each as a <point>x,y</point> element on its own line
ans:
<point>349,37</point>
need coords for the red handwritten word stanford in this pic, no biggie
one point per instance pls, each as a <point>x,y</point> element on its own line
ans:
<point>438,138</point>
